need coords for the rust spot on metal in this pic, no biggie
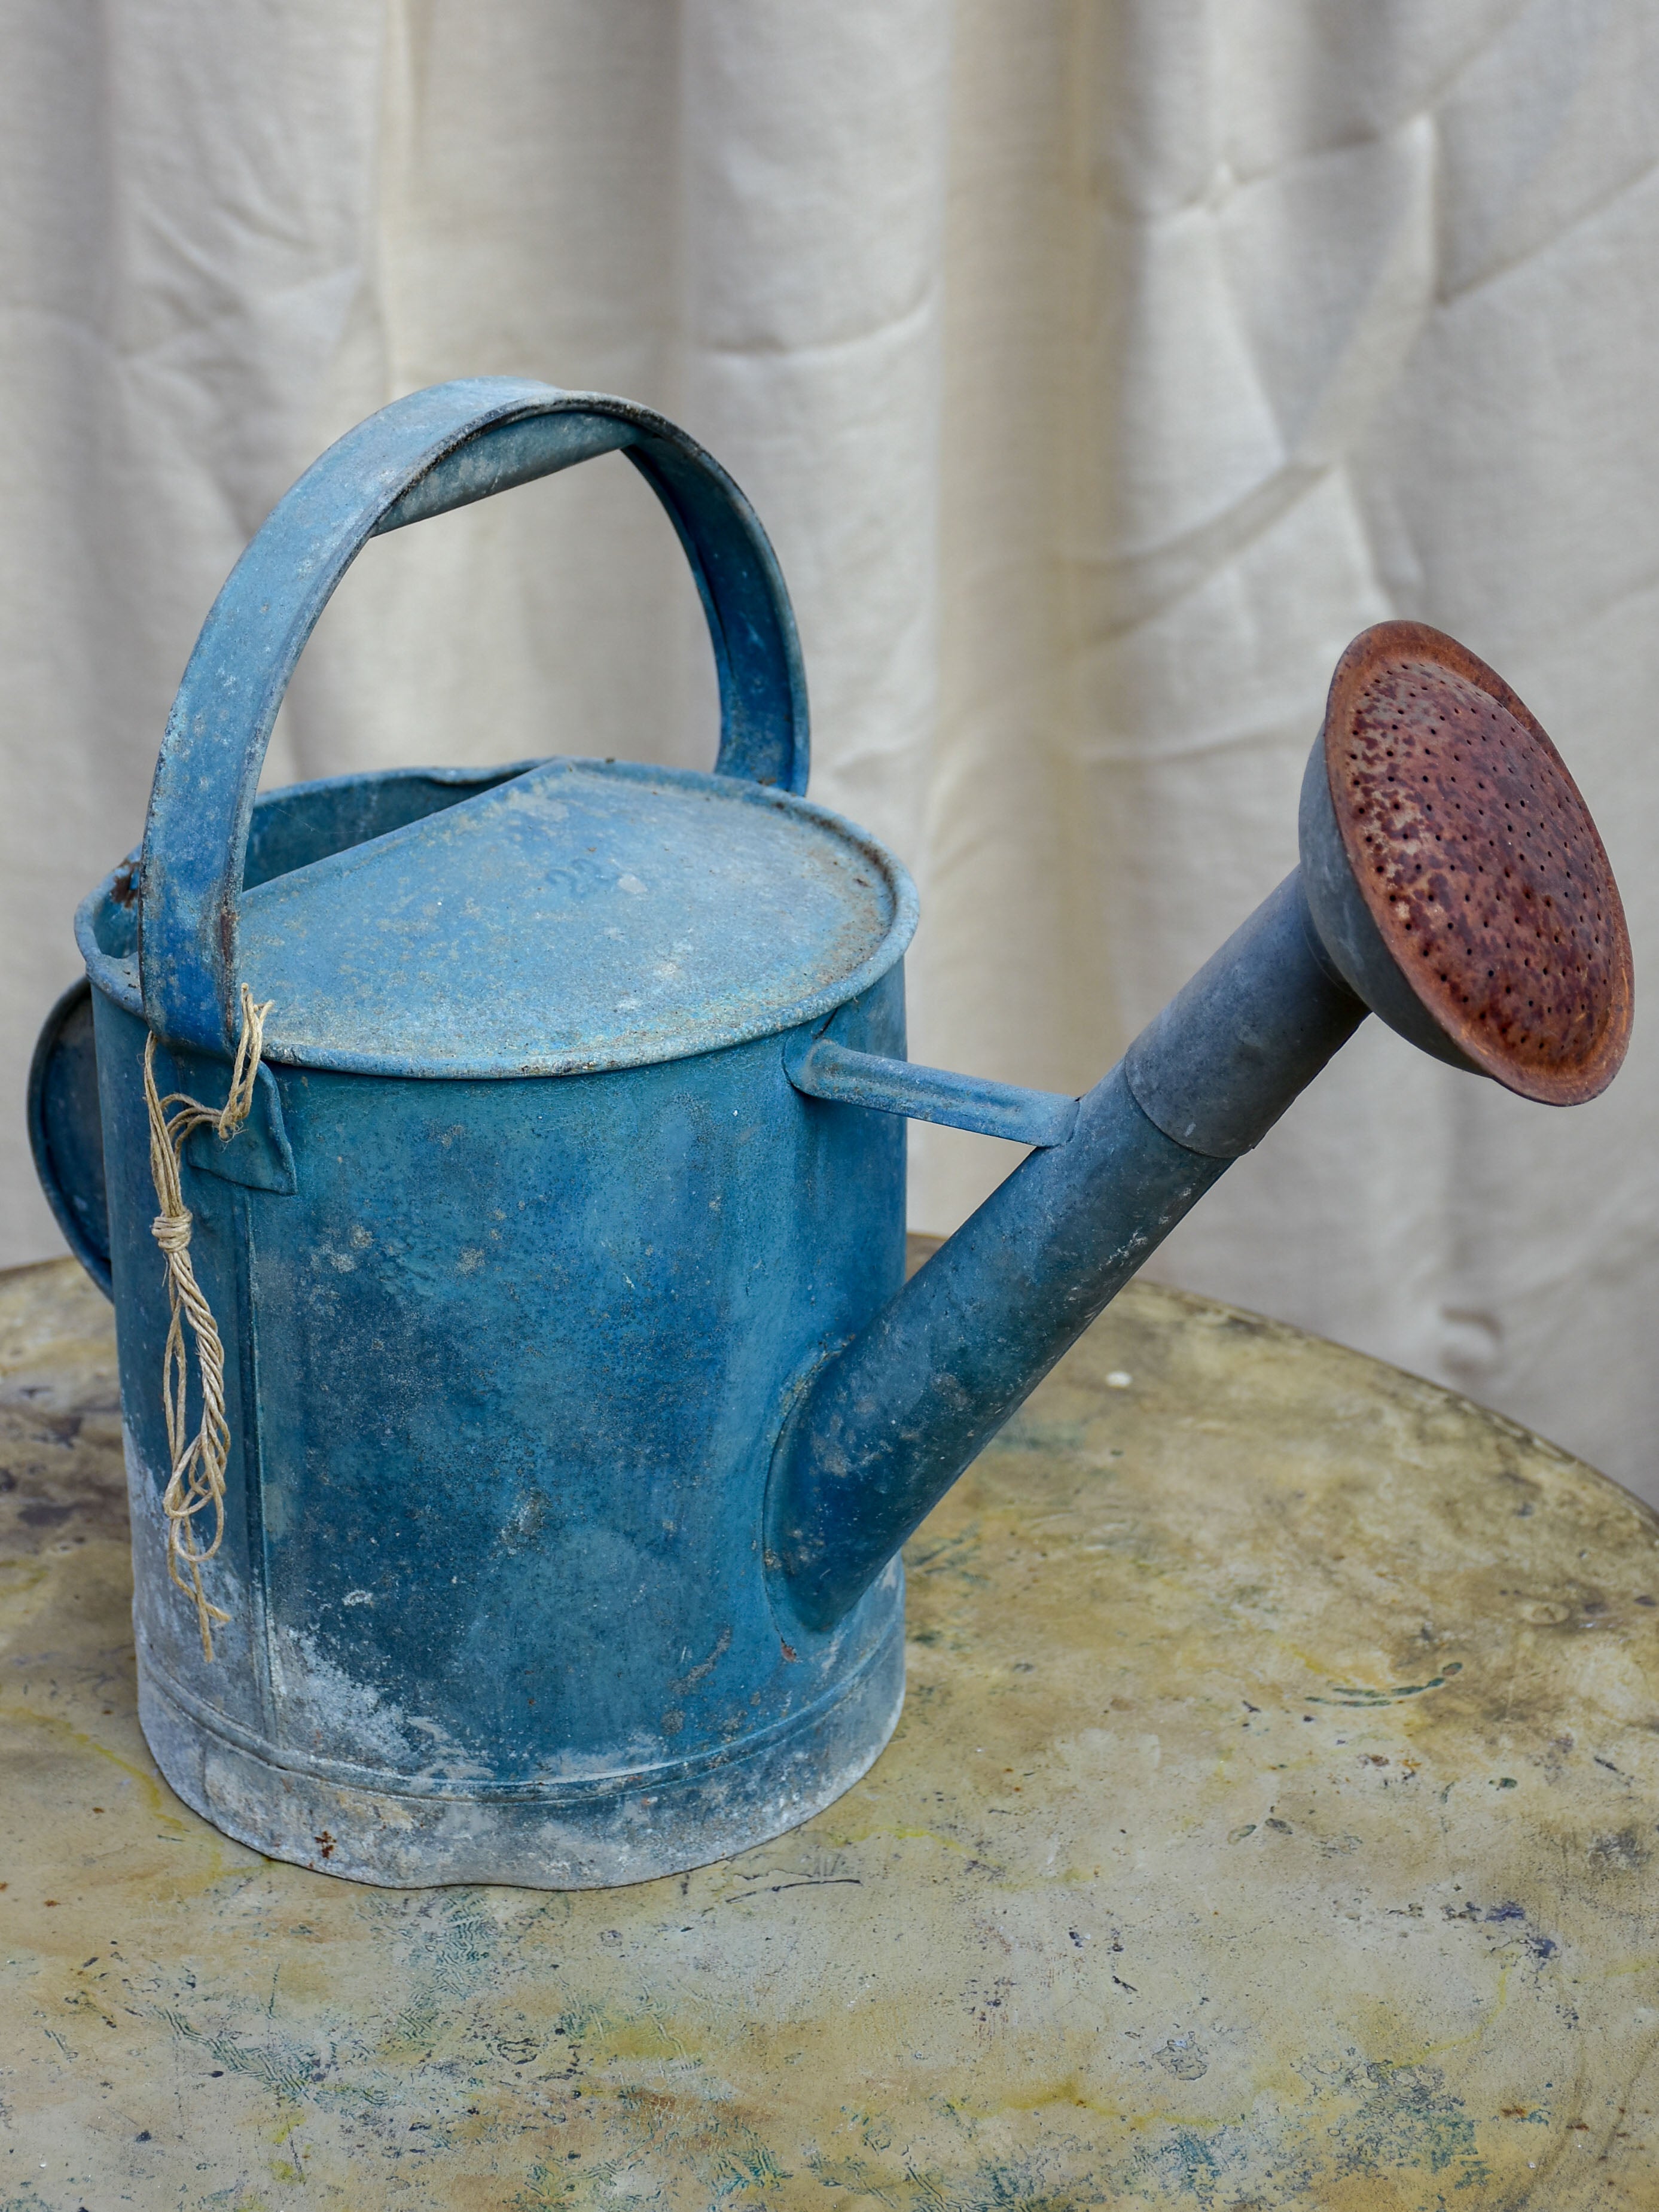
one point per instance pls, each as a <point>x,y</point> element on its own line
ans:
<point>124,884</point>
<point>1479,863</point>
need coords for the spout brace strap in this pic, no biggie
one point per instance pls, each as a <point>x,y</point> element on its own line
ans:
<point>1216,1069</point>
<point>824,1069</point>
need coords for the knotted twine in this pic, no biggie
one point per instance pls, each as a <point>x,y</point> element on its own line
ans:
<point>196,1481</point>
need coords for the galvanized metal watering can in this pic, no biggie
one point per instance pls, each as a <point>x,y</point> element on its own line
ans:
<point>574,1407</point>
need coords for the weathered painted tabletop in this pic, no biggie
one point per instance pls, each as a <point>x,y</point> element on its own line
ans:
<point>1272,1821</point>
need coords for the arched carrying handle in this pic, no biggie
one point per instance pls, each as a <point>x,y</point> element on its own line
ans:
<point>440,448</point>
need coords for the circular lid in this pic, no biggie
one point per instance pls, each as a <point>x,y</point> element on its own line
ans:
<point>586,914</point>
<point>1479,862</point>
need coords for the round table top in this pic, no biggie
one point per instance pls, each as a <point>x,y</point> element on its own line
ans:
<point>1272,1822</point>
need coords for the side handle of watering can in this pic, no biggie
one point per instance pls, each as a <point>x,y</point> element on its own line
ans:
<point>66,1131</point>
<point>437,449</point>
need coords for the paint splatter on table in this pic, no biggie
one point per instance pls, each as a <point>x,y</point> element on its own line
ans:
<point>1272,1821</point>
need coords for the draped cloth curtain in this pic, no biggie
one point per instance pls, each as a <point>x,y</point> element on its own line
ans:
<point>1098,369</point>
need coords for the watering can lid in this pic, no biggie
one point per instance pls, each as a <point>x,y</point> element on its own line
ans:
<point>584,915</point>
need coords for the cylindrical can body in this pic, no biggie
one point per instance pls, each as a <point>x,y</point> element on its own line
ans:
<point>527,1241</point>
<point>504,1368</point>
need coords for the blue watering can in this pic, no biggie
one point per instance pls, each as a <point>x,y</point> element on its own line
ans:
<point>524,1406</point>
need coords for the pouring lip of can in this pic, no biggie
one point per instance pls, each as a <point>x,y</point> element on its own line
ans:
<point>1479,863</point>
<point>108,942</point>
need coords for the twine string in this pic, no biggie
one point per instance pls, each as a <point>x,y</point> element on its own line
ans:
<point>196,1484</point>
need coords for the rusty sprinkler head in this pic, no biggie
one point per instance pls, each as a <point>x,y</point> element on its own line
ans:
<point>1454,875</point>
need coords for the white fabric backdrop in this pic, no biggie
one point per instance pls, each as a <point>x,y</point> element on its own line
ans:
<point>1098,370</point>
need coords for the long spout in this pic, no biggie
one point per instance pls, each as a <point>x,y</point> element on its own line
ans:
<point>1452,880</point>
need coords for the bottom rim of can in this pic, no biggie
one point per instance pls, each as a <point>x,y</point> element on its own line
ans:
<point>644,1826</point>
<point>554,1790</point>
